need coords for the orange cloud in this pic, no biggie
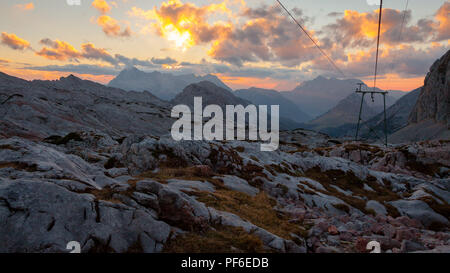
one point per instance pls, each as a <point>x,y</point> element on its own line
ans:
<point>28,6</point>
<point>102,6</point>
<point>89,51</point>
<point>58,50</point>
<point>111,27</point>
<point>63,51</point>
<point>185,24</point>
<point>14,42</point>
<point>346,33</point>
<point>443,25</point>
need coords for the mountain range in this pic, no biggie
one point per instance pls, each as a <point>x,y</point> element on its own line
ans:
<point>163,85</point>
<point>344,116</point>
<point>396,116</point>
<point>318,96</point>
<point>334,98</point>
<point>308,100</point>
<point>259,96</point>
<point>213,94</point>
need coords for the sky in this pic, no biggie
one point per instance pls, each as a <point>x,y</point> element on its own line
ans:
<point>244,42</point>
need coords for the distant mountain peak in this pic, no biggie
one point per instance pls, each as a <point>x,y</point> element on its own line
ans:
<point>131,68</point>
<point>205,84</point>
<point>260,96</point>
<point>320,77</point>
<point>210,93</point>
<point>319,95</point>
<point>163,85</point>
<point>71,77</point>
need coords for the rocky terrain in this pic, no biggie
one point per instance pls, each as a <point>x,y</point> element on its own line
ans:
<point>430,119</point>
<point>151,194</point>
<point>83,162</point>
<point>40,109</point>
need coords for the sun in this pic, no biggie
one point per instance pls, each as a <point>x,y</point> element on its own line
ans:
<point>181,37</point>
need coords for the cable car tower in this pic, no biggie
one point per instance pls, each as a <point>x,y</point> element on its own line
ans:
<point>372,93</point>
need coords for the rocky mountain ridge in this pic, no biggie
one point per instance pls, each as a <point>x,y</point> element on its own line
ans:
<point>38,109</point>
<point>430,117</point>
<point>163,85</point>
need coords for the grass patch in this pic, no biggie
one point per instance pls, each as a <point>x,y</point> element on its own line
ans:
<point>349,181</point>
<point>187,173</point>
<point>105,194</point>
<point>224,160</point>
<point>20,166</point>
<point>250,172</point>
<point>283,168</point>
<point>342,207</point>
<point>221,239</point>
<point>299,148</point>
<point>413,164</point>
<point>113,162</point>
<point>58,140</point>
<point>442,209</point>
<point>8,147</point>
<point>391,210</point>
<point>323,151</point>
<point>258,210</point>
<point>254,158</point>
<point>172,160</point>
<point>362,147</point>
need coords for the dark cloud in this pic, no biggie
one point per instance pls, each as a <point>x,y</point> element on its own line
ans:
<point>134,61</point>
<point>359,30</point>
<point>407,62</point>
<point>335,14</point>
<point>166,60</point>
<point>89,51</point>
<point>268,35</point>
<point>80,69</point>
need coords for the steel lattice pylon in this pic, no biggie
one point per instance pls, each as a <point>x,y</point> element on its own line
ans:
<point>372,93</point>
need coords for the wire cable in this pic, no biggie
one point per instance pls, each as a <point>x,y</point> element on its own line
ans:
<point>309,36</point>
<point>378,45</point>
<point>394,59</point>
